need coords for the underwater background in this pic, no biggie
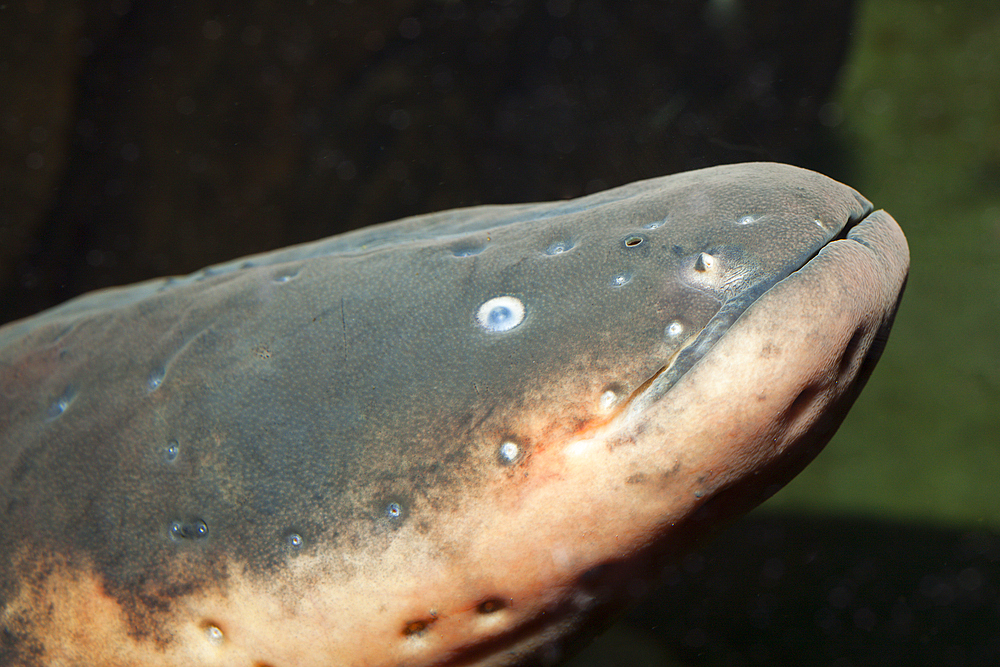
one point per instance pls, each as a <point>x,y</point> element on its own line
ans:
<point>143,139</point>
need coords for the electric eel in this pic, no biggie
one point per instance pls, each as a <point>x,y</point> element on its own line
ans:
<point>464,438</point>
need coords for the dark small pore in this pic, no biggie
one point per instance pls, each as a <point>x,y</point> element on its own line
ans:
<point>172,450</point>
<point>491,605</point>
<point>467,248</point>
<point>195,530</point>
<point>637,478</point>
<point>417,627</point>
<point>633,241</point>
<point>393,512</point>
<point>294,540</point>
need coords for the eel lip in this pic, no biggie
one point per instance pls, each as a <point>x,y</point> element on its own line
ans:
<point>855,229</point>
<point>774,387</point>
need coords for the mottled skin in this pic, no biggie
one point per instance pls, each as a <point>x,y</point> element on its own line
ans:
<point>299,458</point>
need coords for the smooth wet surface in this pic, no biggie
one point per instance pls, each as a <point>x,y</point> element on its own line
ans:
<point>447,453</point>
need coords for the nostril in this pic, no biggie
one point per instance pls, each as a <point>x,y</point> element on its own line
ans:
<point>417,627</point>
<point>490,605</point>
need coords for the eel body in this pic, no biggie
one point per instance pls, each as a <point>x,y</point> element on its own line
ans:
<point>465,438</point>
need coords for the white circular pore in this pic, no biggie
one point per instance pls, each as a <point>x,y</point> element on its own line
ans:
<point>608,399</point>
<point>214,635</point>
<point>620,279</point>
<point>501,313</point>
<point>509,451</point>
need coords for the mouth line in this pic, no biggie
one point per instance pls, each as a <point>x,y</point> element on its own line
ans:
<point>661,381</point>
<point>842,235</point>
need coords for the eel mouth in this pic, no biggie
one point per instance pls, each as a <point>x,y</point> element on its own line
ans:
<point>660,382</point>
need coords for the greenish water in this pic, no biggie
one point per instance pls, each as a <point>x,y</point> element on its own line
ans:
<point>920,105</point>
